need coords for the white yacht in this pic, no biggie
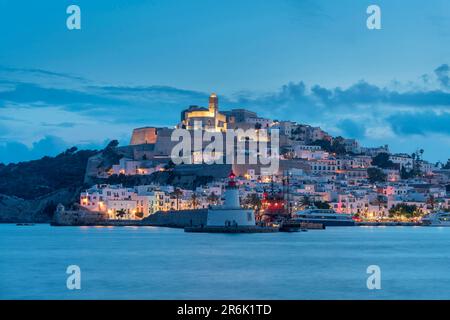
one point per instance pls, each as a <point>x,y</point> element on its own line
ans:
<point>327,217</point>
<point>437,219</point>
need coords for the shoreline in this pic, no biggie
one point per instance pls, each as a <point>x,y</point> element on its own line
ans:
<point>130,223</point>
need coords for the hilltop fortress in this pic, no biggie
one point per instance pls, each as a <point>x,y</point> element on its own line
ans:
<point>210,119</point>
<point>154,142</point>
<point>150,147</point>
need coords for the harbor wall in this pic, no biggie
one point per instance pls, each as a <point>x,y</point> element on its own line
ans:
<point>174,219</point>
<point>177,219</point>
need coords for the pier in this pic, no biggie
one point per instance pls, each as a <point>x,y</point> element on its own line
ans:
<point>387,224</point>
<point>237,229</point>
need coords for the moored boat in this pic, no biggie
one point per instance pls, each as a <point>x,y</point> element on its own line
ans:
<point>327,217</point>
<point>437,219</point>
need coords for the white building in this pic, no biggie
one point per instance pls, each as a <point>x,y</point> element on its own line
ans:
<point>133,167</point>
<point>310,152</point>
<point>131,203</point>
<point>117,201</point>
<point>403,160</point>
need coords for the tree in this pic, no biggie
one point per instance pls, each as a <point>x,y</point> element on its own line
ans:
<point>417,159</point>
<point>112,144</point>
<point>306,201</point>
<point>139,214</point>
<point>194,200</point>
<point>381,160</point>
<point>431,201</point>
<point>286,152</point>
<point>213,198</point>
<point>49,209</point>
<point>323,144</point>
<point>70,151</point>
<point>336,146</point>
<point>177,193</point>
<point>405,174</point>
<point>120,213</point>
<point>376,175</point>
<point>252,200</point>
<point>404,209</point>
<point>169,165</point>
<point>447,165</point>
<point>322,205</point>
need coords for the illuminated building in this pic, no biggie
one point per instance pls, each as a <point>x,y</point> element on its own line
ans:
<point>210,118</point>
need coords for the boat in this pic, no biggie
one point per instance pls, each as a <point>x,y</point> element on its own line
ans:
<point>327,217</point>
<point>288,226</point>
<point>437,219</point>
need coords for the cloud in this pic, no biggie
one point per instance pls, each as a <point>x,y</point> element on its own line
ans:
<point>115,104</point>
<point>33,93</point>
<point>363,93</point>
<point>84,110</point>
<point>28,72</point>
<point>17,151</point>
<point>14,151</point>
<point>131,104</point>
<point>442,74</point>
<point>420,123</point>
<point>59,125</point>
<point>351,128</point>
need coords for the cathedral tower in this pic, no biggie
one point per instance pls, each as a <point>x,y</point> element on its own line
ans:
<point>213,103</point>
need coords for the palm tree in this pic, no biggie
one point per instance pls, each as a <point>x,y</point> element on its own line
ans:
<point>120,213</point>
<point>431,201</point>
<point>213,198</point>
<point>194,200</point>
<point>252,200</point>
<point>306,201</point>
<point>177,193</point>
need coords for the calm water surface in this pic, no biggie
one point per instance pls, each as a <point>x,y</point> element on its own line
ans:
<point>160,263</point>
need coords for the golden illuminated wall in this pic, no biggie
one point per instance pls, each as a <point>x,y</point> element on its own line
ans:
<point>143,136</point>
<point>199,114</point>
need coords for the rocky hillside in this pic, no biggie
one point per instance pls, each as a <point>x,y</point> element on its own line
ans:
<point>29,191</point>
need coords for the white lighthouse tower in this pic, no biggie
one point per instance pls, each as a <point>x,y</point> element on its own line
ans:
<point>230,214</point>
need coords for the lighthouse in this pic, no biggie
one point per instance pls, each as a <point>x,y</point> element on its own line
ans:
<point>232,194</point>
<point>230,214</point>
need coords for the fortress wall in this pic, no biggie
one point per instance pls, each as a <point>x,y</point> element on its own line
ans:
<point>144,136</point>
<point>217,171</point>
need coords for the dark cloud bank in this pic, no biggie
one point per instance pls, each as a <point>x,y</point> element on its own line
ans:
<point>407,112</point>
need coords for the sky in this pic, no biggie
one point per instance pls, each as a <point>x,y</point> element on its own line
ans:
<point>140,62</point>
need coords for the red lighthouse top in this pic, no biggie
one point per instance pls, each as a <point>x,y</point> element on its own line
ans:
<point>231,182</point>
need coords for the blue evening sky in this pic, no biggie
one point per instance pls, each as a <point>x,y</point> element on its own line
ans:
<point>140,62</point>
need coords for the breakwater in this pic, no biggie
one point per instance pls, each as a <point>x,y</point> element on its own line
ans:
<point>172,219</point>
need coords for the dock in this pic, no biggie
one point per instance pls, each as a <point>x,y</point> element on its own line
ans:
<point>289,225</point>
<point>387,224</point>
<point>232,229</point>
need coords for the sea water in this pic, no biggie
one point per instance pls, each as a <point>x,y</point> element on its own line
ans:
<point>163,263</point>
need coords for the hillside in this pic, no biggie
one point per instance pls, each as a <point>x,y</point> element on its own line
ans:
<point>30,190</point>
